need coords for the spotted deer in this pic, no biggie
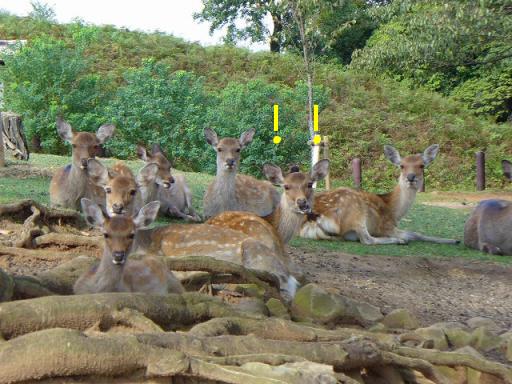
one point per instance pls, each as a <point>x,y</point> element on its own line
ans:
<point>172,191</point>
<point>489,225</point>
<point>115,272</point>
<point>118,186</point>
<point>373,218</point>
<point>70,183</point>
<point>231,191</point>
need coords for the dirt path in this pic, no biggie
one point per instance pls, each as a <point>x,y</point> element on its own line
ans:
<point>434,290</point>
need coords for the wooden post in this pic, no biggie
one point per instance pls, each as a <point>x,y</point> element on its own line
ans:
<point>2,150</point>
<point>325,142</point>
<point>356,172</point>
<point>480,171</point>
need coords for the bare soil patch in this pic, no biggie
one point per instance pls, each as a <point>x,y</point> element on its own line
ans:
<point>433,289</point>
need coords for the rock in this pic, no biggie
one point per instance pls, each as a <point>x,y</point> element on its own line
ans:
<point>478,322</point>
<point>277,308</point>
<point>444,325</point>
<point>379,327</point>
<point>252,305</point>
<point>251,290</point>
<point>485,340</point>
<point>6,286</point>
<point>313,303</point>
<point>400,318</point>
<point>435,335</point>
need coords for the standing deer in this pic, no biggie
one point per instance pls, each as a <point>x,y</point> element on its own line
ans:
<point>115,273</point>
<point>373,218</point>
<point>118,186</point>
<point>488,228</point>
<point>172,191</point>
<point>70,183</point>
<point>230,191</point>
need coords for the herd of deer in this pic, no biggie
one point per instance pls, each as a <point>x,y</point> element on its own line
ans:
<point>248,221</point>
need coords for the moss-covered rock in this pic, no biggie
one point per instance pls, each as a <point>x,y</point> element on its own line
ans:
<point>435,335</point>
<point>277,309</point>
<point>400,318</point>
<point>485,340</point>
<point>6,286</point>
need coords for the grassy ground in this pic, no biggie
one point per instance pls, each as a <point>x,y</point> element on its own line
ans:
<point>431,220</point>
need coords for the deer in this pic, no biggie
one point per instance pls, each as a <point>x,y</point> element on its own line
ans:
<point>373,218</point>
<point>488,227</point>
<point>116,272</point>
<point>172,191</point>
<point>243,237</point>
<point>231,191</point>
<point>118,186</point>
<point>70,183</point>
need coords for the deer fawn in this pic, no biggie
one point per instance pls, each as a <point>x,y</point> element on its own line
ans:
<point>488,227</point>
<point>172,191</point>
<point>372,218</point>
<point>70,183</point>
<point>231,191</point>
<point>115,273</point>
<point>117,186</point>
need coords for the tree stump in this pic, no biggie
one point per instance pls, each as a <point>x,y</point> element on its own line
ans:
<point>12,137</point>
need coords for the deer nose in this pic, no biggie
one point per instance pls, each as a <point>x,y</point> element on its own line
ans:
<point>117,208</point>
<point>118,257</point>
<point>84,162</point>
<point>230,162</point>
<point>411,177</point>
<point>303,204</point>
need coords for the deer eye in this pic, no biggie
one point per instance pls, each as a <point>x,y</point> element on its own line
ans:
<point>238,150</point>
<point>422,166</point>
<point>108,190</point>
<point>219,149</point>
<point>286,187</point>
<point>133,192</point>
<point>131,236</point>
<point>402,167</point>
<point>73,145</point>
<point>310,185</point>
<point>106,236</point>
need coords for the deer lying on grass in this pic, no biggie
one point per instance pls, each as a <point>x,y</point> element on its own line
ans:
<point>373,218</point>
<point>172,191</point>
<point>488,227</point>
<point>118,186</point>
<point>230,191</point>
<point>70,183</point>
<point>115,273</point>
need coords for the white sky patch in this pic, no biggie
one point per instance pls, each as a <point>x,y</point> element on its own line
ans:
<point>171,16</point>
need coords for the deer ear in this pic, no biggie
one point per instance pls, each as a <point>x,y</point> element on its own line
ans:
<point>274,174</point>
<point>147,174</point>
<point>430,154</point>
<point>156,149</point>
<point>320,170</point>
<point>97,172</point>
<point>142,153</point>
<point>246,137</point>
<point>105,132</point>
<point>64,130</point>
<point>211,137</point>
<point>146,215</point>
<point>93,214</point>
<point>392,155</point>
<point>507,169</point>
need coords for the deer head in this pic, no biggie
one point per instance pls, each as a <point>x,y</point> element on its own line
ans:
<point>163,177</point>
<point>298,186</point>
<point>119,231</point>
<point>228,149</point>
<point>85,144</point>
<point>412,166</point>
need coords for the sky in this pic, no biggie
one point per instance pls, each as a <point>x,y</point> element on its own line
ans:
<point>170,16</point>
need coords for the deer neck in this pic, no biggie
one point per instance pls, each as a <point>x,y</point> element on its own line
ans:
<point>285,221</point>
<point>148,192</point>
<point>225,189</point>
<point>401,199</point>
<point>108,275</point>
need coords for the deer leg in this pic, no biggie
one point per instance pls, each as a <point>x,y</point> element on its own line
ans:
<point>366,238</point>
<point>175,212</point>
<point>491,249</point>
<point>415,236</point>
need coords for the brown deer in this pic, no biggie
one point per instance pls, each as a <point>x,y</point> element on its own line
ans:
<point>488,228</point>
<point>172,191</point>
<point>243,237</point>
<point>115,272</point>
<point>70,183</point>
<point>230,191</point>
<point>373,218</point>
<point>118,186</point>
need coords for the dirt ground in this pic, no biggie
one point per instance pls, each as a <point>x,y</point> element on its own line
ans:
<point>434,290</point>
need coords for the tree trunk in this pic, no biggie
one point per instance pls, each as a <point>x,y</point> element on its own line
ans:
<point>13,136</point>
<point>275,38</point>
